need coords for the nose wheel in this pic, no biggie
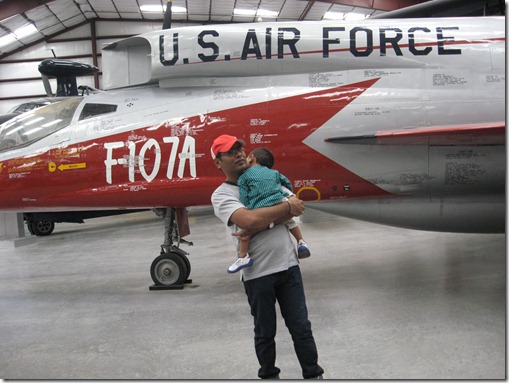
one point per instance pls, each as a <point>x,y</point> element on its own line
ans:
<point>171,269</point>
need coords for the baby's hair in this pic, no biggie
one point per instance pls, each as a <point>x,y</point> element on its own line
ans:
<point>263,157</point>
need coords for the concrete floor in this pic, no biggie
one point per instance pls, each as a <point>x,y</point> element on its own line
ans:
<point>385,303</point>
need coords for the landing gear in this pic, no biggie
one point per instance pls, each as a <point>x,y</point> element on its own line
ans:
<point>40,228</point>
<point>171,269</point>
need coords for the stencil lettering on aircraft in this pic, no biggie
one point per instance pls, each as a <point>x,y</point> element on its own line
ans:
<point>134,161</point>
<point>280,43</point>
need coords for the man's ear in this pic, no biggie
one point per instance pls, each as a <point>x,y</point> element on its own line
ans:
<point>217,162</point>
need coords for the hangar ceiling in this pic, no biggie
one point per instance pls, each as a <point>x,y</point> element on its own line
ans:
<point>26,22</point>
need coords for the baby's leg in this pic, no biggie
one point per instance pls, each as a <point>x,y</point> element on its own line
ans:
<point>243,246</point>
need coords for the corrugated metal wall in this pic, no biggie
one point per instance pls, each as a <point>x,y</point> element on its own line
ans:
<point>20,79</point>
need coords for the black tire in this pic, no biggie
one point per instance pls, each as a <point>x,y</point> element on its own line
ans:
<point>169,269</point>
<point>187,263</point>
<point>41,228</point>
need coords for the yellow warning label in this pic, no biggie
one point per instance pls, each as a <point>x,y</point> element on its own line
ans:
<point>80,165</point>
<point>52,167</point>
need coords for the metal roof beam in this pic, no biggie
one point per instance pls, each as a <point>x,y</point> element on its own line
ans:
<point>10,8</point>
<point>381,5</point>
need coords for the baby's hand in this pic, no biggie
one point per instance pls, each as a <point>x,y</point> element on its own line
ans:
<point>243,235</point>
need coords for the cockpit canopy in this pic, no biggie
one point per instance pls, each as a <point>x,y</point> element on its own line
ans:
<point>32,126</point>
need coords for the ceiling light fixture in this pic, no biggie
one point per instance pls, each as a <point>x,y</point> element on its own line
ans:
<point>267,13</point>
<point>331,15</point>
<point>159,9</point>
<point>7,39</point>
<point>19,33</point>
<point>25,31</point>
<point>244,12</point>
<point>253,12</point>
<point>151,8</point>
<point>334,15</point>
<point>355,16</point>
<point>177,9</point>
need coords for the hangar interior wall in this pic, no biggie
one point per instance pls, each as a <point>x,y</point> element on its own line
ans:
<point>20,80</point>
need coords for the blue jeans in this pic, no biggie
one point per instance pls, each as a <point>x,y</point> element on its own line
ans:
<point>287,288</point>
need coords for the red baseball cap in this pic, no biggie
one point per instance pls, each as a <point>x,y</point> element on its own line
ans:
<point>224,143</point>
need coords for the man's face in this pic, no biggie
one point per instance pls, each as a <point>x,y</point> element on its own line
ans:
<point>233,163</point>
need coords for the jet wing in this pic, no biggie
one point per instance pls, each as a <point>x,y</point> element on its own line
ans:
<point>453,135</point>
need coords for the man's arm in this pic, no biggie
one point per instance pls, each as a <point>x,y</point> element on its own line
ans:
<point>264,216</point>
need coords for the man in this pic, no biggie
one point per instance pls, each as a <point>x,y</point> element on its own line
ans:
<point>275,273</point>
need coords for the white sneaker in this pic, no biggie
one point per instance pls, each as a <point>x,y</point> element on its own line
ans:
<point>303,250</point>
<point>240,263</point>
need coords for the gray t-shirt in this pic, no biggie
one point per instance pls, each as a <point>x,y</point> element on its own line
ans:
<point>272,250</point>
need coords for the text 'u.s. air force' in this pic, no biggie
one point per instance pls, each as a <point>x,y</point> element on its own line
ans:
<point>278,43</point>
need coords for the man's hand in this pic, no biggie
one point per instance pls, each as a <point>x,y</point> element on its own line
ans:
<point>296,206</point>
